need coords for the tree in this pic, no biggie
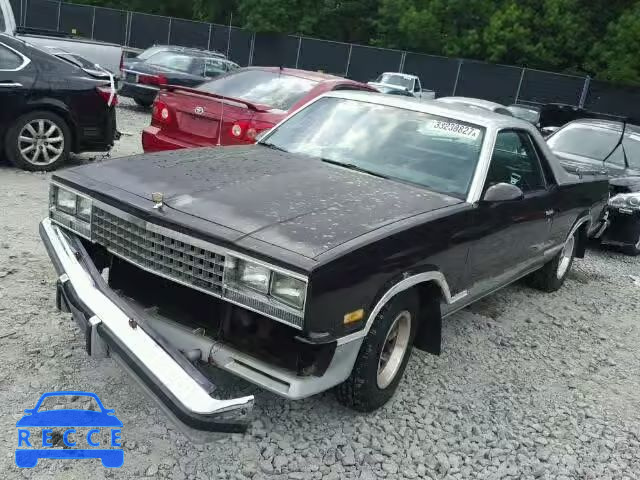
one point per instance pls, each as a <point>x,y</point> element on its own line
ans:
<point>615,57</point>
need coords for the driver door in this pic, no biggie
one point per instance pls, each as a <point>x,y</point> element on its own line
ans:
<point>511,235</point>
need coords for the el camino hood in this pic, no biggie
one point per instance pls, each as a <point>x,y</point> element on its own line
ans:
<point>295,202</point>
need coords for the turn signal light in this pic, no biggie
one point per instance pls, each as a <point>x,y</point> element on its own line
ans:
<point>248,129</point>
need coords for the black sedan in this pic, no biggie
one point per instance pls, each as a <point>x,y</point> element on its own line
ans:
<point>50,107</point>
<point>597,144</point>
<point>186,68</point>
<point>149,52</point>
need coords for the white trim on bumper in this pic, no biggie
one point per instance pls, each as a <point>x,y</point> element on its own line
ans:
<point>166,372</point>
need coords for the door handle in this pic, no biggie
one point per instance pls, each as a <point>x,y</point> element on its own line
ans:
<point>10,85</point>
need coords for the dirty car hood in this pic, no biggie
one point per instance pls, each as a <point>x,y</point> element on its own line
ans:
<point>293,201</point>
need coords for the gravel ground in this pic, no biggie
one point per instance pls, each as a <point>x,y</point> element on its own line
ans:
<point>530,385</point>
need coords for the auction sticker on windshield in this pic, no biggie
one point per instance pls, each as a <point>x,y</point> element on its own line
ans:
<point>86,430</point>
<point>456,128</point>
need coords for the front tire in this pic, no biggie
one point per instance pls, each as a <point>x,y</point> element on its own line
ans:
<point>383,356</point>
<point>38,141</point>
<point>553,274</point>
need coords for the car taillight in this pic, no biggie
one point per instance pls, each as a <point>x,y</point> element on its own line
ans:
<point>247,130</point>
<point>105,93</point>
<point>122,61</point>
<point>161,113</point>
<point>152,79</point>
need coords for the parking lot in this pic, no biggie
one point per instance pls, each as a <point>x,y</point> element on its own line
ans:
<point>529,385</point>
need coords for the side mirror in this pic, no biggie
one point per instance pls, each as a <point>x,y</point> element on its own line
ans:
<point>502,192</point>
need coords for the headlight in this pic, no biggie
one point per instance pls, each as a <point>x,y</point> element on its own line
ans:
<point>83,208</point>
<point>254,276</point>
<point>288,290</point>
<point>626,201</point>
<point>273,285</point>
<point>65,201</point>
<point>71,210</point>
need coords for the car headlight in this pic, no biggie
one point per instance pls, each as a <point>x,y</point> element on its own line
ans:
<point>253,276</point>
<point>626,201</point>
<point>270,283</point>
<point>65,201</point>
<point>289,290</point>
<point>71,210</point>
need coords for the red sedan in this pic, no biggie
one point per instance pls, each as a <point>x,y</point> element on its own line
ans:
<point>235,108</point>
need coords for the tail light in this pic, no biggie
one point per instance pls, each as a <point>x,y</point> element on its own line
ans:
<point>247,130</point>
<point>152,79</point>
<point>105,93</point>
<point>161,114</point>
<point>122,61</point>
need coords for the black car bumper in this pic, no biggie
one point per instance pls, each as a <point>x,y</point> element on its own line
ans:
<point>146,93</point>
<point>108,325</point>
<point>623,229</point>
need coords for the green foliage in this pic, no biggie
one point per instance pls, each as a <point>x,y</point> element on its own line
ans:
<point>599,37</point>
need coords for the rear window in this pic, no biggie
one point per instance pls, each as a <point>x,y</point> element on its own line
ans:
<point>172,60</point>
<point>9,60</point>
<point>150,52</point>
<point>274,89</point>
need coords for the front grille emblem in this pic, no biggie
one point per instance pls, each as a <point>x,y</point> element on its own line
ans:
<point>157,198</point>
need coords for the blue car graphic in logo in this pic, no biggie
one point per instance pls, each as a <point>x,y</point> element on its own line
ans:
<point>73,422</point>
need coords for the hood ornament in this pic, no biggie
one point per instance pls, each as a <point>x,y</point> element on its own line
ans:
<point>157,198</point>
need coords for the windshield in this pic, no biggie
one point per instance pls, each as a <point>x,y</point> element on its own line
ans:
<point>396,79</point>
<point>431,151</point>
<point>172,60</point>
<point>596,143</point>
<point>259,86</point>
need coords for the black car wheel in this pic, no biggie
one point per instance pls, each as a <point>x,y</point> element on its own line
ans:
<point>383,356</point>
<point>143,102</point>
<point>553,274</point>
<point>38,141</point>
<point>633,249</point>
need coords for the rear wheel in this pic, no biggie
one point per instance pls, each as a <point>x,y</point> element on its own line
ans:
<point>553,274</point>
<point>383,356</point>
<point>38,141</point>
<point>143,102</point>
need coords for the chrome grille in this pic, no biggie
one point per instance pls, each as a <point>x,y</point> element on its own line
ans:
<point>158,253</point>
<point>172,255</point>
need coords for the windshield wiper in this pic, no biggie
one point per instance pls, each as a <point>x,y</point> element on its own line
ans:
<point>354,167</point>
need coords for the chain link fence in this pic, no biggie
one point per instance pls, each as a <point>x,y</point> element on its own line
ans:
<point>446,76</point>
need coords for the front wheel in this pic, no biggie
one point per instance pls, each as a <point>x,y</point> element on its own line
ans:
<point>553,274</point>
<point>383,356</point>
<point>38,141</point>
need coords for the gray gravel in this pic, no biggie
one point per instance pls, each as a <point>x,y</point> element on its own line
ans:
<point>530,385</point>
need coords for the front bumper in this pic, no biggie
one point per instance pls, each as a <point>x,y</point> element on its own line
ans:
<point>139,338</point>
<point>623,229</point>
<point>161,368</point>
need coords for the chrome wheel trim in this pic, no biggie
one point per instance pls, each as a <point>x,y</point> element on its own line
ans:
<point>565,256</point>
<point>394,349</point>
<point>41,142</point>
